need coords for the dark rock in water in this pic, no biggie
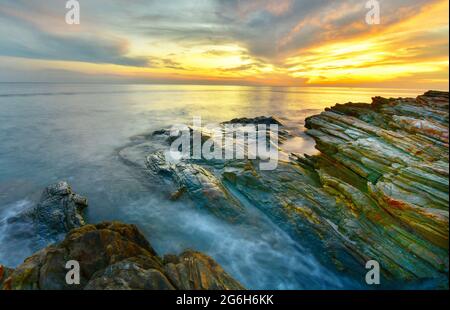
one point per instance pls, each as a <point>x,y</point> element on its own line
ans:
<point>256,120</point>
<point>113,255</point>
<point>58,211</point>
<point>283,134</point>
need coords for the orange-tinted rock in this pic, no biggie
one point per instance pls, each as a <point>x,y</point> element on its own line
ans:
<point>113,255</point>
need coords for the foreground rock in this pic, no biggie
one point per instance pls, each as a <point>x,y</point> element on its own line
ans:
<point>113,255</point>
<point>58,211</point>
<point>378,190</point>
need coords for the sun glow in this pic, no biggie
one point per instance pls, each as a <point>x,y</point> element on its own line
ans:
<point>405,50</point>
<point>399,53</point>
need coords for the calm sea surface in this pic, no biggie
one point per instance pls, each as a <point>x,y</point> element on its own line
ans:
<point>51,132</point>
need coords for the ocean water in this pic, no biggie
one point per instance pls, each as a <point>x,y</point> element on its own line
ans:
<point>52,132</point>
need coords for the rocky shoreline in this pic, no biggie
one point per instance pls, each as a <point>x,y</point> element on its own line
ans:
<point>378,190</point>
<point>111,255</point>
<point>387,166</point>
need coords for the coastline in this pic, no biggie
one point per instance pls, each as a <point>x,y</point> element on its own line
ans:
<point>378,189</point>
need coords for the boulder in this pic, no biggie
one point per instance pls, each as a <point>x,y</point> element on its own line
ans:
<point>58,211</point>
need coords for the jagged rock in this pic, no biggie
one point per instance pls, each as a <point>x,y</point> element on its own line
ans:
<point>197,178</point>
<point>113,255</point>
<point>58,211</point>
<point>188,271</point>
<point>402,155</point>
<point>396,152</point>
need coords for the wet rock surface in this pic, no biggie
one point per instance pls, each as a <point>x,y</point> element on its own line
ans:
<point>114,255</point>
<point>58,211</point>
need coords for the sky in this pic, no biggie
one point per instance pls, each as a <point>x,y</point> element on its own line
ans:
<point>244,42</point>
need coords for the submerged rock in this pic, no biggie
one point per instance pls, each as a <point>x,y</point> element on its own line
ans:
<point>113,255</point>
<point>282,133</point>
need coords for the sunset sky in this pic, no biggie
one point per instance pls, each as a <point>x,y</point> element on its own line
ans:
<point>269,42</point>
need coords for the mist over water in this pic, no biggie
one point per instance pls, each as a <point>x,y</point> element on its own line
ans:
<point>52,132</point>
<point>260,255</point>
<point>16,242</point>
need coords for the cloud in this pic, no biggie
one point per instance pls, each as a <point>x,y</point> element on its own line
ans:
<point>282,40</point>
<point>272,29</point>
<point>275,34</point>
<point>23,36</point>
<point>166,63</point>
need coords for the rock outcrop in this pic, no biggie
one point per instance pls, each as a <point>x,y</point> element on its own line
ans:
<point>58,211</point>
<point>113,255</point>
<point>398,149</point>
<point>387,163</point>
<point>377,191</point>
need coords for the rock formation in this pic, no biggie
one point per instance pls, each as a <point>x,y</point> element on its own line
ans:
<point>387,164</point>
<point>113,255</point>
<point>378,189</point>
<point>58,211</point>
